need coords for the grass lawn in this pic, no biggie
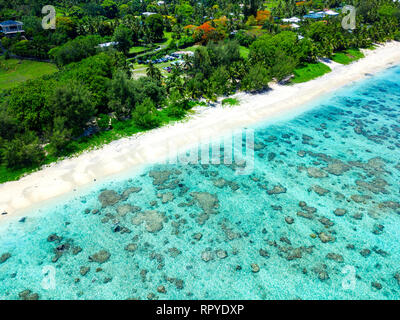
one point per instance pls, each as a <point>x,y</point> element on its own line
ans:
<point>191,48</point>
<point>167,39</point>
<point>347,56</point>
<point>230,101</point>
<point>309,71</point>
<point>14,71</point>
<point>137,49</point>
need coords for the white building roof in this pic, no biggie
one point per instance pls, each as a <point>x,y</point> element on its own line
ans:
<point>107,44</point>
<point>292,19</point>
<point>331,13</point>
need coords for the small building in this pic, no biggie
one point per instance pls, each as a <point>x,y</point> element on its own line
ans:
<point>11,28</point>
<point>315,15</point>
<point>331,13</point>
<point>292,20</point>
<point>146,14</point>
<point>107,44</point>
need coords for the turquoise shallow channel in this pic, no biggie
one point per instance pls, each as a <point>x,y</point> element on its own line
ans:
<point>318,218</point>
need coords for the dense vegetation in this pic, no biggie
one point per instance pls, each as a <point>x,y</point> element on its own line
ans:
<point>95,96</point>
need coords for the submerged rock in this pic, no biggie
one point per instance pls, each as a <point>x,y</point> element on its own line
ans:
<point>314,172</point>
<point>129,191</point>
<point>365,252</point>
<point>340,212</point>
<point>277,190</point>
<point>131,247</point>
<point>84,270</point>
<point>335,256</point>
<point>255,268</point>
<point>174,252</point>
<point>220,183</point>
<point>54,237</point>
<point>263,253</point>
<point>125,209</point>
<point>323,275</point>
<point>320,191</point>
<point>161,289</point>
<point>109,198</point>
<point>166,197</point>
<point>153,220</point>
<point>159,177</point>
<point>326,222</point>
<point>307,215</point>
<point>28,295</point>
<point>397,277</point>
<point>4,257</point>
<point>207,201</point>
<point>375,186</point>
<point>389,205</point>
<point>100,257</point>
<point>289,220</point>
<point>337,168</point>
<point>376,285</point>
<point>207,255</point>
<point>197,236</point>
<point>325,237</point>
<point>221,254</point>
<point>358,198</point>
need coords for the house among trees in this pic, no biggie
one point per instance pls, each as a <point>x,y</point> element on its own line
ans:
<point>11,28</point>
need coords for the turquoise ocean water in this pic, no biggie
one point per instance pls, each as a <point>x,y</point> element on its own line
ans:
<point>318,218</point>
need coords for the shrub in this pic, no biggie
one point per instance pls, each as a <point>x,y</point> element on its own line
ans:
<point>145,115</point>
<point>230,101</point>
<point>23,151</point>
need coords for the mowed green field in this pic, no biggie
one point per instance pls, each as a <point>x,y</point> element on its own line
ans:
<point>14,71</point>
<point>309,71</point>
<point>348,56</point>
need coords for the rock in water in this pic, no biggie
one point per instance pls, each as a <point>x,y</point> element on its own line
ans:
<point>100,257</point>
<point>277,190</point>
<point>84,270</point>
<point>314,172</point>
<point>221,254</point>
<point>28,295</point>
<point>109,198</point>
<point>207,201</point>
<point>153,220</point>
<point>4,257</point>
<point>207,256</point>
<point>340,212</point>
<point>131,247</point>
<point>397,277</point>
<point>255,268</point>
<point>335,256</point>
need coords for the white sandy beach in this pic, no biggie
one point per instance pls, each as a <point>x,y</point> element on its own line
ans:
<point>65,176</point>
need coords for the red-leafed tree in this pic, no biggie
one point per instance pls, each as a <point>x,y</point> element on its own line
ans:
<point>206,32</point>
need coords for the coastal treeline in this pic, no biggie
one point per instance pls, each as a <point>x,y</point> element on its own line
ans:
<point>97,96</point>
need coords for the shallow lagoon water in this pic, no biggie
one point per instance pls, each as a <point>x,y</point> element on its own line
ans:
<point>196,230</point>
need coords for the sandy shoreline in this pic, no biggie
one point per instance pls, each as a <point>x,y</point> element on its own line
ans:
<point>65,176</point>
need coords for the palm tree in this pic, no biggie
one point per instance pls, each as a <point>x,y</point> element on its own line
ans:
<point>153,72</point>
<point>188,62</point>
